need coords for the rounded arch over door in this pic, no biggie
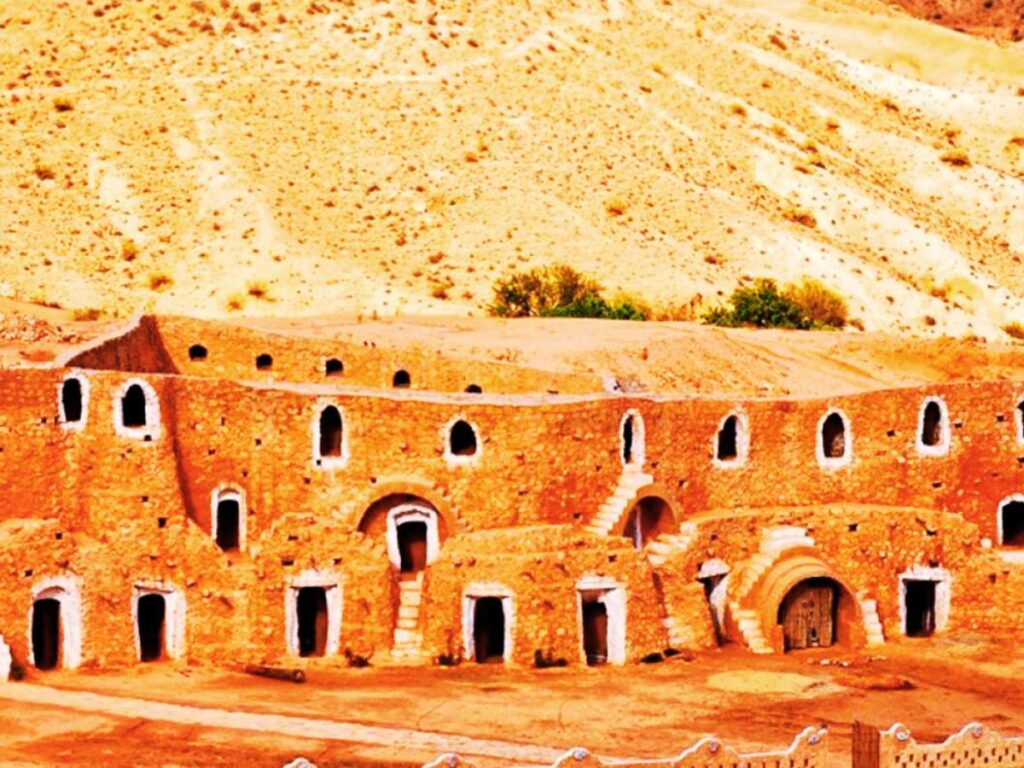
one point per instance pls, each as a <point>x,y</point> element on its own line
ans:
<point>62,592</point>
<point>412,526</point>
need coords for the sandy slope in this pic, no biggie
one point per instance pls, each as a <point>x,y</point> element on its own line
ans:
<point>293,157</point>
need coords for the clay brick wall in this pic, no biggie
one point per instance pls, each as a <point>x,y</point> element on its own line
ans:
<point>974,744</point>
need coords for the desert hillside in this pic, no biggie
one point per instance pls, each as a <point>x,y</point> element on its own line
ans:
<point>396,157</point>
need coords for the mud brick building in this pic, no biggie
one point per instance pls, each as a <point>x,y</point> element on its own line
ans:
<point>199,491</point>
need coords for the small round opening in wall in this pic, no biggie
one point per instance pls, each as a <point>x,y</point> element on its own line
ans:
<point>474,389</point>
<point>197,352</point>
<point>264,362</point>
<point>462,439</point>
<point>401,379</point>
<point>334,367</point>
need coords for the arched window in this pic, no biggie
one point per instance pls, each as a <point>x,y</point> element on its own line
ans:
<point>627,440</point>
<point>334,367</point>
<point>1011,522</point>
<point>833,442</point>
<point>133,407</point>
<point>264,362</point>
<point>401,379</point>
<point>197,352</point>
<point>631,439</point>
<point>462,439</point>
<point>933,427</point>
<point>71,401</point>
<point>330,432</point>
<point>728,444</point>
<point>228,520</point>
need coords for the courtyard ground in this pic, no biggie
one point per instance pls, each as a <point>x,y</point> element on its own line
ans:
<point>500,717</point>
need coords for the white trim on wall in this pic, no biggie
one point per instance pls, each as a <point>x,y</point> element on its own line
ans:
<point>330,582</point>
<point>63,589</point>
<point>151,429</point>
<point>454,459</point>
<point>174,616</point>
<point>942,448</point>
<point>413,511</point>
<point>83,383</point>
<point>470,595</point>
<point>638,449</point>
<point>943,582</point>
<point>229,492</point>
<point>742,441</point>
<point>329,462</point>
<point>614,600</point>
<point>847,457</point>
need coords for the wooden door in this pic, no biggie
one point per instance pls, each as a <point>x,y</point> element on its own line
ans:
<point>808,619</point>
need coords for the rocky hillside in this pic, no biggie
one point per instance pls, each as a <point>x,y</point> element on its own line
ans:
<point>310,157</point>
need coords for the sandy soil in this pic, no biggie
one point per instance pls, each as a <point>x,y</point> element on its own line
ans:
<point>288,157</point>
<point>932,687</point>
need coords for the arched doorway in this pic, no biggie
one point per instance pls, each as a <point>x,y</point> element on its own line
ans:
<point>46,633</point>
<point>816,612</point>
<point>55,625</point>
<point>412,528</point>
<point>650,517</point>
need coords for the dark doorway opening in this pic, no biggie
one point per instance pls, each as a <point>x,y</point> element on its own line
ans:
<point>1020,421</point>
<point>627,440</point>
<point>197,352</point>
<point>264,362</point>
<point>808,614</point>
<point>228,529</point>
<point>595,630</point>
<point>728,443</point>
<point>650,518</point>
<point>152,612</point>
<point>833,437</point>
<point>334,367</point>
<point>1012,514</point>
<point>311,607</point>
<point>919,604</point>
<point>931,425</point>
<point>330,432</point>
<point>462,439</point>
<point>488,630</point>
<point>46,633</point>
<point>714,587</point>
<point>71,400</point>
<point>401,379</point>
<point>133,407</point>
<point>474,389</point>
<point>412,546</point>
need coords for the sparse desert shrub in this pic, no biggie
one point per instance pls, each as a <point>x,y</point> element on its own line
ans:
<point>821,305</point>
<point>258,290</point>
<point>43,172</point>
<point>236,302</point>
<point>800,216</point>
<point>159,282</point>
<point>560,291</point>
<point>1014,330</point>
<point>615,206</point>
<point>63,104</point>
<point>86,315</point>
<point>956,157</point>
<point>803,306</point>
<point>129,250</point>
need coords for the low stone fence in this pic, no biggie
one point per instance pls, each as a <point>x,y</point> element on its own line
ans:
<point>808,750</point>
<point>974,746</point>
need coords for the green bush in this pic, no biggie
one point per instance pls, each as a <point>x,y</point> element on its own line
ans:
<point>802,307</point>
<point>559,291</point>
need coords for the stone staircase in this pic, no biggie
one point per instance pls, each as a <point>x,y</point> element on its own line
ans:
<point>614,507</point>
<point>408,636</point>
<point>872,624</point>
<point>667,544</point>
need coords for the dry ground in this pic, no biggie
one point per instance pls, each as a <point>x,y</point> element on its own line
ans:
<point>297,157</point>
<point>652,711</point>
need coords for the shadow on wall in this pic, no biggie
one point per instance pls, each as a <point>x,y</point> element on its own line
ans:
<point>141,349</point>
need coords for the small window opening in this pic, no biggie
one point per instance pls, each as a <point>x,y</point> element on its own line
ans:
<point>264,362</point>
<point>46,633</point>
<point>627,440</point>
<point>71,400</point>
<point>412,546</point>
<point>133,407</point>
<point>1020,421</point>
<point>312,614</point>
<point>152,612</point>
<point>474,389</point>
<point>595,629</point>
<point>489,630</point>
<point>330,432</point>
<point>334,367</point>
<point>919,603</point>
<point>1012,514</point>
<point>833,437</point>
<point>931,426</point>
<point>401,379</point>
<point>462,439</point>
<point>197,352</point>
<point>727,440</point>
<point>228,513</point>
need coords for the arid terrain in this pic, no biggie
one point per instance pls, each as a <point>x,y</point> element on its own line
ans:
<point>396,157</point>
